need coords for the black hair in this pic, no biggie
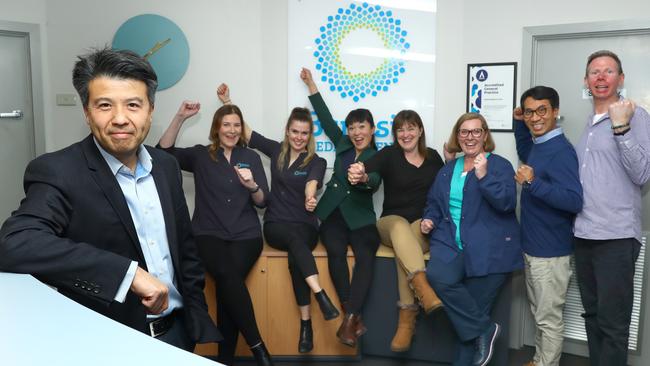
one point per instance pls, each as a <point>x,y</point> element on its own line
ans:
<point>116,64</point>
<point>361,115</point>
<point>541,92</point>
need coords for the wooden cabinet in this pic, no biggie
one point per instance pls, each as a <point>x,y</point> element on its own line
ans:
<point>276,311</point>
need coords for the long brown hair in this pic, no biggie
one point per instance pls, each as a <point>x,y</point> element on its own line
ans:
<point>454,146</point>
<point>302,115</point>
<point>410,117</point>
<point>217,120</point>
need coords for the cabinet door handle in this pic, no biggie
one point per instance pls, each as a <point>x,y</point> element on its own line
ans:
<point>13,114</point>
<point>263,270</point>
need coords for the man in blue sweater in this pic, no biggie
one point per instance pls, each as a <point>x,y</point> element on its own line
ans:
<point>551,196</point>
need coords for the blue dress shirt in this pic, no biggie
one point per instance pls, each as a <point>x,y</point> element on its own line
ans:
<point>141,196</point>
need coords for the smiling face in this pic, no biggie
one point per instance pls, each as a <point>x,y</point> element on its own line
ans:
<point>604,79</point>
<point>119,116</point>
<point>471,137</point>
<point>298,134</point>
<point>360,134</point>
<point>230,131</point>
<point>540,125</point>
<point>408,136</point>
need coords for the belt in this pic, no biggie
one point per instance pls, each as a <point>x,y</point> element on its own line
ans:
<point>160,326</point>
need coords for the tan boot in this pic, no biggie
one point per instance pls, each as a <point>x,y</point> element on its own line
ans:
<point>405,328</point>
<point>424,293</point>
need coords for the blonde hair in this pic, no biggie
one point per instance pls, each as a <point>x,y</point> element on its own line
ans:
<point>298,114</point>
<point>454,146</point>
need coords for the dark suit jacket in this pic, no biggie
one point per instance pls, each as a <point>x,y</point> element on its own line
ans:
<point>354,201</point>
<point>74,231</point>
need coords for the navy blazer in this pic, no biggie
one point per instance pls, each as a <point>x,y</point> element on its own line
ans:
<point>489,230</point>
<point>74,231</point>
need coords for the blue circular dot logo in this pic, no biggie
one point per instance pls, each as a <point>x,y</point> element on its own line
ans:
<point>357,86</point>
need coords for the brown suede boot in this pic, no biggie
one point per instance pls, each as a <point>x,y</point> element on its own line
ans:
<point>424,293</point>
<point>405,328</point>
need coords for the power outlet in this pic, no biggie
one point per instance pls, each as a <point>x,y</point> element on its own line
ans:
<point>66,99</point>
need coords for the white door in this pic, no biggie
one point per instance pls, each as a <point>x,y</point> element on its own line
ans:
<point>556,56</point>
<point>17,145</point>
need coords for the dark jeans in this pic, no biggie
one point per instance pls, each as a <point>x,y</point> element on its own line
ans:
<point>298,240</point>
<point>229,263</point>
<point>605,272</point>
<point>468,301</point>
<point>336,237</point>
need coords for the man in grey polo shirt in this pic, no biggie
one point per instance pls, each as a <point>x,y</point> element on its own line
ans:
<point>614,158</point>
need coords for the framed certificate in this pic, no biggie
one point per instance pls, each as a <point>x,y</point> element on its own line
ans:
<point>491,91</point>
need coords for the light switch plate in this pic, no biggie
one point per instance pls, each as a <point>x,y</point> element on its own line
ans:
<point>66,99</point>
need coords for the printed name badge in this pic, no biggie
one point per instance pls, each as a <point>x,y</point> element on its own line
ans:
<point>243,165</point>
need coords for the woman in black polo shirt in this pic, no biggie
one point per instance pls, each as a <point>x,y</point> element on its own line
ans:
<point>229,182</point>
<point>289,222</point>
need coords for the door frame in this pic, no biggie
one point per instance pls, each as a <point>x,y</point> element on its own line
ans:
<point>33,33</point>
<point>532,36</point>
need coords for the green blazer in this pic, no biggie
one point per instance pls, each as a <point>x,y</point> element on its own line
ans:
<point>354,201</point>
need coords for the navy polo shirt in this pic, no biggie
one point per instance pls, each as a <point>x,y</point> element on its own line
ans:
<point>223,207</point>
<point>286,201</point>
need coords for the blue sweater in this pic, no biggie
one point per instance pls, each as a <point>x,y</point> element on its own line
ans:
<point>550,203</point>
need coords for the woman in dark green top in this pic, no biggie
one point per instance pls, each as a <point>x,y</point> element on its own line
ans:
<point>347,211</point>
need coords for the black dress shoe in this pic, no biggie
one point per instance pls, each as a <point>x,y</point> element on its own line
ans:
<point>326,307</point>
<point>485,345</point>
<point>306,342</point>
<point>261,354</point>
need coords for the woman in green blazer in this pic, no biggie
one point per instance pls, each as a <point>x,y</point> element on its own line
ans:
<point>347,212</point>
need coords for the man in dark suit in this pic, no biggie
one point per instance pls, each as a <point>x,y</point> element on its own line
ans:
<point>105,220</point>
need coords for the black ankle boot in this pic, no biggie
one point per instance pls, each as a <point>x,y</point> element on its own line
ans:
<point>306,342</point>
<point>326,307</point>
<point>261,354</point>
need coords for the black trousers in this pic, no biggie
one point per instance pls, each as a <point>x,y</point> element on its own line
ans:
<point>298,240</point>
<point>336,236</point>
<point>605,272</point>
<point>229,262</point>
<point>177,336</point>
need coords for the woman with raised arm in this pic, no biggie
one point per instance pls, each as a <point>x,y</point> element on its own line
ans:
<point>229,183</point>
<point>289,222</point>
<point>408,169</point>
<point>475,238</point>
<point>346,211</point>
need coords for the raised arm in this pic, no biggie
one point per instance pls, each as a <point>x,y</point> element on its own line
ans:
<point>523,138</point>
<point>327,123</point>
<point>186,110</point>
<point>223,93</point>
<point>305,75</point>
<point>631,129</point>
